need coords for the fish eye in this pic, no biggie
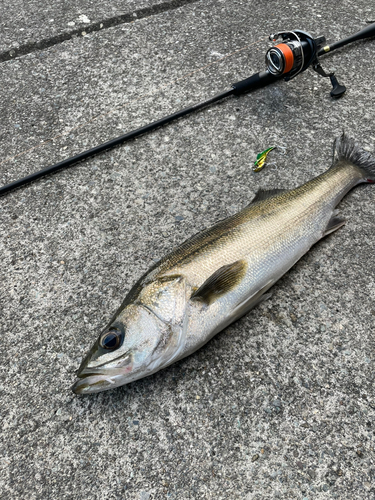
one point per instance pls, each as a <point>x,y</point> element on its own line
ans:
<point>112,339</point>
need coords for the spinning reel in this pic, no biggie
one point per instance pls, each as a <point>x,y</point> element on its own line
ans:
<point>297,51</point>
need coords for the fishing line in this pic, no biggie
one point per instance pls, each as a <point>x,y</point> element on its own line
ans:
<point>143,96</point>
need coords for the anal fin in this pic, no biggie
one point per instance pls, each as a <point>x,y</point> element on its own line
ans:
<point>333,224</point>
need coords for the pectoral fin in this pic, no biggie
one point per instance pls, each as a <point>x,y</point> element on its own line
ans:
<point>220,282</point>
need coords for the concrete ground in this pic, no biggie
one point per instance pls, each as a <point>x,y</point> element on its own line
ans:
<point>279,405</point>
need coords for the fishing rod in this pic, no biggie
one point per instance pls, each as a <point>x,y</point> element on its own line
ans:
<point>296,51</point>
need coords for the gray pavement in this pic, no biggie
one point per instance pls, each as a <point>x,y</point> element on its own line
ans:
<point>279,405</point>
<point>34,25</point>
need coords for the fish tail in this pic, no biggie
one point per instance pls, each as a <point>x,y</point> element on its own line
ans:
<point>347,150</point>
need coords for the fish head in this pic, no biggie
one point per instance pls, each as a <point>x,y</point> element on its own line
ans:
<point>128,349</point>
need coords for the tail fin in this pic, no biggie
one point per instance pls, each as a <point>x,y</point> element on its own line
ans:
<point>346,149</point>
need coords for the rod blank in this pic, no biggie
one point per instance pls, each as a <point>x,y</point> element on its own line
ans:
<point>367,32</point>
<point>111,144</point>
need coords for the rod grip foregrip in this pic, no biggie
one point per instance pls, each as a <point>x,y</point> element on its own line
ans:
<point>254,82</point>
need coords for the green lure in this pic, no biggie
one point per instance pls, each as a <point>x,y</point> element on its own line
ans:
<point>261,159</point>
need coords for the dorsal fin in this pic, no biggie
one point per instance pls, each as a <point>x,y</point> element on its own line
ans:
<point>264,194</point>
<point>220,282</point>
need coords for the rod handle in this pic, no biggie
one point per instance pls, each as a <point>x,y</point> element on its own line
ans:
<point>254,82</point>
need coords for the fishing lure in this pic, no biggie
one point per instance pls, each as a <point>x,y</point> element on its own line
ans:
<point>261,159</point>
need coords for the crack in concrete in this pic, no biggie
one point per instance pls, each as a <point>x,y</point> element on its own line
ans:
<point>128,17</point>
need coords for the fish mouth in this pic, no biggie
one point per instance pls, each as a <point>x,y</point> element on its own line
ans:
<point>99,379</point>
<point>89,383</point>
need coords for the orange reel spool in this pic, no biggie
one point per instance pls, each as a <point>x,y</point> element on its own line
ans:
<point>288,56</point>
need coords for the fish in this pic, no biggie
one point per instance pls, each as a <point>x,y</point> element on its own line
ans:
<point>220,274</point>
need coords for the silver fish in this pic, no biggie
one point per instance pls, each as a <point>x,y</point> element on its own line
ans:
<point>218,275</point>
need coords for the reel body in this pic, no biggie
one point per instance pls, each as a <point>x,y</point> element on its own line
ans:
<point>294,54</point>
